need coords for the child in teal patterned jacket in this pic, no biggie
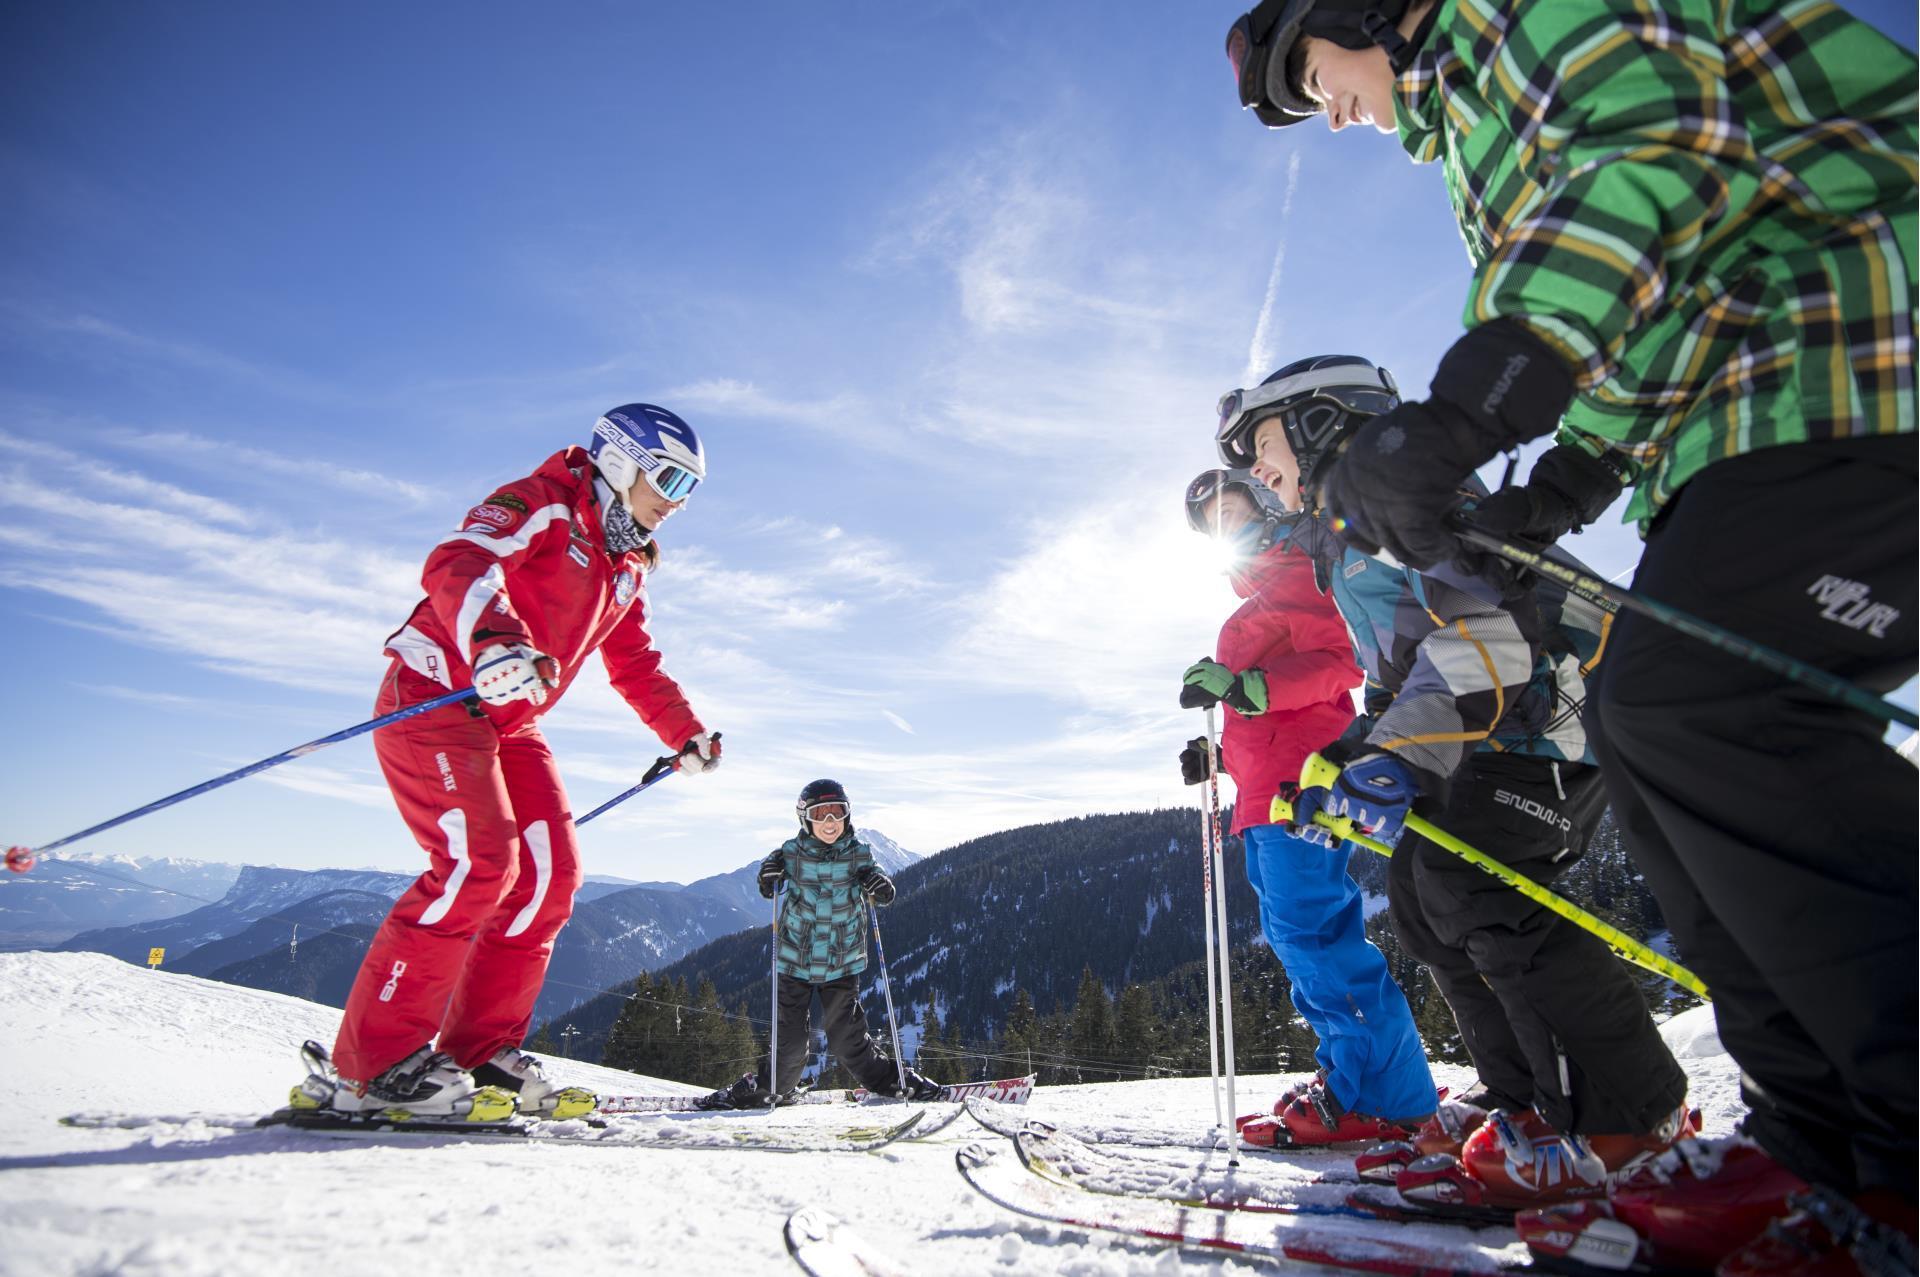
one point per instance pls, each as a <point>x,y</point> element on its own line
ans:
<point>830,877</point>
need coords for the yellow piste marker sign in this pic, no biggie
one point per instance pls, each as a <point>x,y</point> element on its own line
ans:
<point>154,956</point>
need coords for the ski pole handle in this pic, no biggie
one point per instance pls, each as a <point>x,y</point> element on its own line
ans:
<point>1318,771</point>
<point>663,767</point>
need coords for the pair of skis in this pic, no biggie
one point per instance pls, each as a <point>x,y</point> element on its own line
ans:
<point>1006,1090</point>
<point>744,1132</point>
<point>1280,1215</point>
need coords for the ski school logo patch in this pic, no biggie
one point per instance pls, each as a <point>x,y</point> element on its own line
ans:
<point>506,500</point>
<point>493,514</point>
<point>625,586</point>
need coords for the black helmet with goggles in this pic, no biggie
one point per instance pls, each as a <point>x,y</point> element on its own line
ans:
<point>822,800</point>
<point>1318,401</point>
<point>1261,44</point>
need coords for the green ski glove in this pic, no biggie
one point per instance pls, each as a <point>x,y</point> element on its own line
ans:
<point>1207,682</point>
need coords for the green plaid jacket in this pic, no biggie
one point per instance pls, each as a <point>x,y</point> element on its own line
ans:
<point>823,917</point>
<point>1707,207</point>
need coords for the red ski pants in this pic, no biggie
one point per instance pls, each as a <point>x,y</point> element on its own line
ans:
<point>463,954</point>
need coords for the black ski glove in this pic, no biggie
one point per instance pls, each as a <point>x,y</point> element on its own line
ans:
<point>1399,477</point>
<point>1195,761</point>
<point>877,886</point>
<point>773,872</point>
<point>1568,489</point>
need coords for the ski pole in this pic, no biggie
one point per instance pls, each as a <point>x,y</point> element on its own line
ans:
<point>1616,598</point>
<point>663,766</point>
<point>886,984</point>
<point>20,859</point>
<point>1225,937</point>
<point>1213,981</point>
<point>773,974</point>
<point>1319,771</point>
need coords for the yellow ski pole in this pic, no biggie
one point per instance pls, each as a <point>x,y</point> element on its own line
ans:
<point>1318,771</point>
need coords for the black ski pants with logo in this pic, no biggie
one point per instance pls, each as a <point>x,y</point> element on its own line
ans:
<point>845,1024</point>
<point>1776,829</point>
<point>1550,1017</point>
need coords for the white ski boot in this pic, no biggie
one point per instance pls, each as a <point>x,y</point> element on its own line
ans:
<point>425,1085</point>
<point>512,1069</point>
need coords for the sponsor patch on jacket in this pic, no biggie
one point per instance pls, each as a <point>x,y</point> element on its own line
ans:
<point>1354,569</point>
<point>507,501</point>
<point>578,555</point>
<point>624,586</point>
<point>492,514</point>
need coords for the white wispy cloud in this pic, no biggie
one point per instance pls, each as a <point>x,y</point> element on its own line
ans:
<point>1263,351</point>
<point>104,475</point>
<point>897,721</point>
<point>176,445</point>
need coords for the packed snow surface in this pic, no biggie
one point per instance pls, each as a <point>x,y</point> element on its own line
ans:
<point>192,1198</point>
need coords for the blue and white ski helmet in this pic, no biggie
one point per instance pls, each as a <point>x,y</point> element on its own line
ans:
<point>641,439</point>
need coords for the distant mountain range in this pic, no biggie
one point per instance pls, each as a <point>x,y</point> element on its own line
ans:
<point>304,931</point>
<point>65,895</point>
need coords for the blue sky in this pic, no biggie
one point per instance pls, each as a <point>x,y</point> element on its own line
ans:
<point>949,292</point>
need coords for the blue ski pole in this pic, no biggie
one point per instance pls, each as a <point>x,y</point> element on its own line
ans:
<point>20,859</point>
<point>663,766</point>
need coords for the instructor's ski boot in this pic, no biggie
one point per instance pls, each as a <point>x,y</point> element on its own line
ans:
<point>425,1085</point>
<point>1690,1207</point>
<point>514,1070</point>
<point>1517,1160</point>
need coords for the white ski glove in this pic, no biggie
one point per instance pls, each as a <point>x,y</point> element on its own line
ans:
<point>508,672</point>
<point>701,754</point>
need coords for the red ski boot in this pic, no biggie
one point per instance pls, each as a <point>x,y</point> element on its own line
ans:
<point>1688,1208</point>
<point>1445,1132</point>
<point>1826,1236</point>
<point>1314,1116</point>
<point>1516,1161</point>
<point>1309,1115</point>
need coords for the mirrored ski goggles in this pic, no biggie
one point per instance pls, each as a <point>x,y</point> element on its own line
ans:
<point>675,483</point>
<point>827,811</point>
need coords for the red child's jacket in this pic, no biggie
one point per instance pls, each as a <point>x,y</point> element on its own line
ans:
<point>530,565</point>
<point>1293,632</point>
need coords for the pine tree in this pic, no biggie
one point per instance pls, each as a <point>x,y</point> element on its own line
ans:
<point>1136,1031</point>
<point>1016,1042</point>
<point>1090,1037</point>
<point>542,1043</point>
<point>710,1048</point>
<point>930,1057</point>
<point>630,1040</point>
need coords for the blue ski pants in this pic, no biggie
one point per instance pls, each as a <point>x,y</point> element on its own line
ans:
<point>1311,913</point>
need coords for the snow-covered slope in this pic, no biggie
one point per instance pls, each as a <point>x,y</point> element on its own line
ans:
<point>87,1033</point>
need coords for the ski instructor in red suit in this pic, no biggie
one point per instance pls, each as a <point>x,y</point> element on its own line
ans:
<point>541,574</point>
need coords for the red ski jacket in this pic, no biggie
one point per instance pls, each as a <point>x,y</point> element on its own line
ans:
<point>530,565</point>
<point>1293,632</point>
